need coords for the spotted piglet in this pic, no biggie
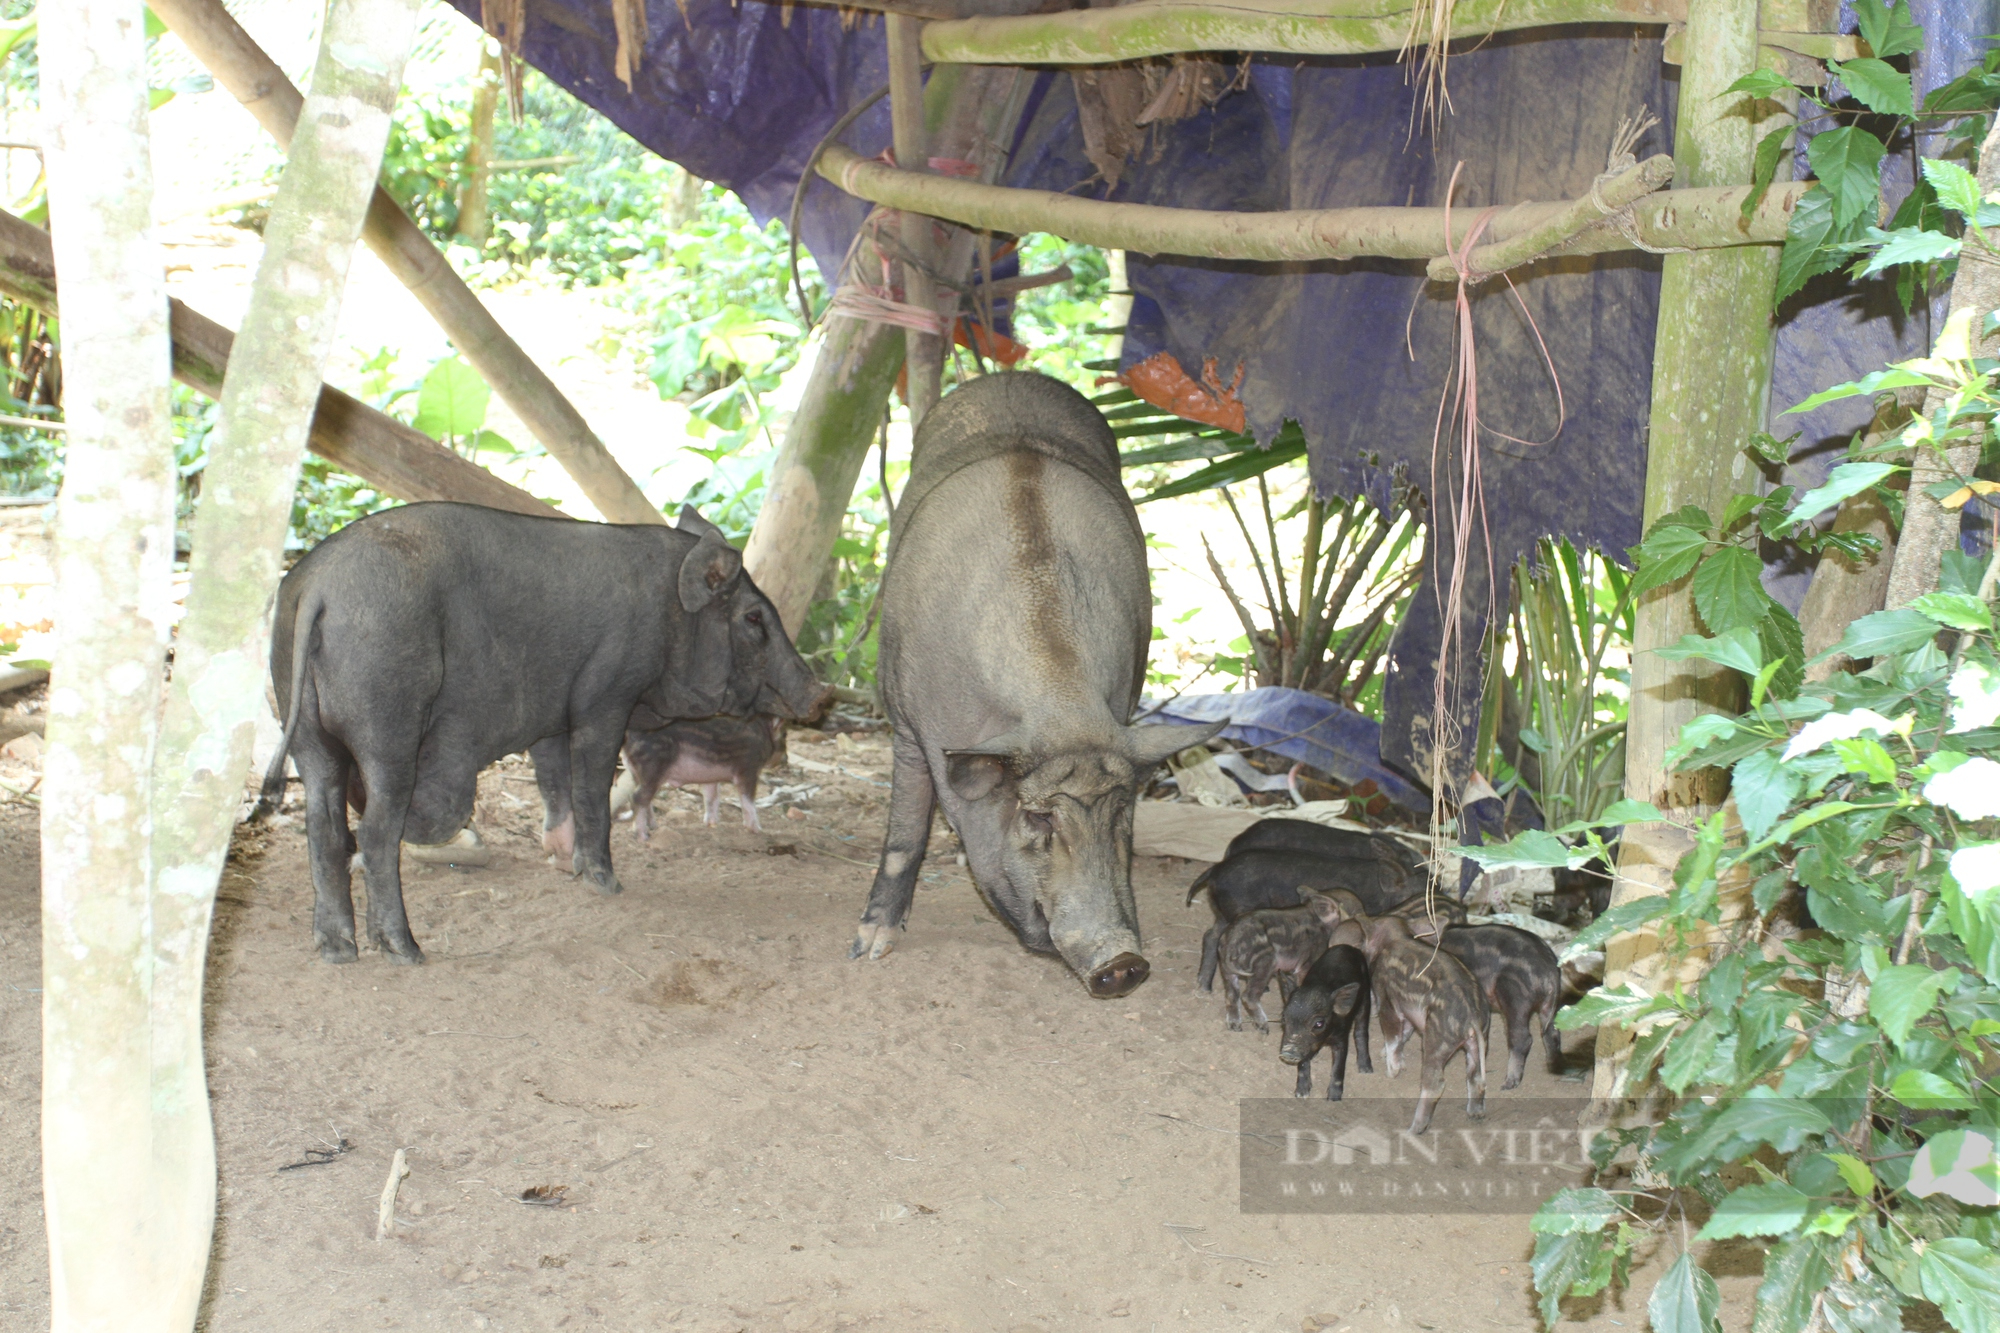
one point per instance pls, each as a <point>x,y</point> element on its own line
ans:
<point>710,751</point>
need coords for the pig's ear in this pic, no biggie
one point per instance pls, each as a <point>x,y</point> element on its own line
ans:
<point>1146,746</point>
<point>692,521</point>
<point>710,571</point>
<point>976,770</point>
<point>1344,998</point>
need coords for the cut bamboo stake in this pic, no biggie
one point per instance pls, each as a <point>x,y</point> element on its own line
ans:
<point>113,1263</point>
<point>385,1210</point>
<point>1295,27</point>
<point>923,354</point>
<point>240,65</point>
<point>1593,210</point>
<point>1696,219</point>
<point>1929,529</point>
<point>382,451</point>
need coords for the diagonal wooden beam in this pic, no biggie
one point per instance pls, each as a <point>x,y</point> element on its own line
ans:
<point>354,437</point>
<point>240,65</point>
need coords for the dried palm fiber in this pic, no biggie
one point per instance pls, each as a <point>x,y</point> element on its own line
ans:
<point>1430,28</point>
<point>628,17</point>
<point>506,21</point>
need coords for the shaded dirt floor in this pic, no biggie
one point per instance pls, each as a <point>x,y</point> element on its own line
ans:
<point>740,1128</point>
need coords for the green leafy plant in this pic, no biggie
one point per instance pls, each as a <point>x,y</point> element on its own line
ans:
<point>1841,1041</point>
<point>1557,724</point>
<point>1879,117</point>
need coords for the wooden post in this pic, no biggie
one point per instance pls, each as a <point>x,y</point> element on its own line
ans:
<point>813,478</point>
<point>226,51</point>
<point>351,435</point>
<point>1928,529</point>
<point>110,1266</point>
<point>923,356</point>
<point>1711,379</point>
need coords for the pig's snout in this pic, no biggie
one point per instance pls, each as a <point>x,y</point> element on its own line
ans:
<point>1121,976</point>
<point>1291,1053</point>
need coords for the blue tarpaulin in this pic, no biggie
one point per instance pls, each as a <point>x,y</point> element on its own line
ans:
<point>1302,727</point>
<point>1357,352</point>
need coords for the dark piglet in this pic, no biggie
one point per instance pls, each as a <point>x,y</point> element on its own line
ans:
<point>1518,974</point>
<point>1420,989</point>
<point>1580,896</point>
<point>416,646</point>
<point>1331,1001</point>
<point>711,752</point>
<point>1428,913</point>
<point>1303,835</point>
<point>1253,881</point>
<point>1274,941</point>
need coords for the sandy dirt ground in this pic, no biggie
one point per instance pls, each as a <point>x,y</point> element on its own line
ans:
<point>740,1128</point>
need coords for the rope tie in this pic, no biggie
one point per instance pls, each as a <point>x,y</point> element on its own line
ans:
<point>1622,158</point>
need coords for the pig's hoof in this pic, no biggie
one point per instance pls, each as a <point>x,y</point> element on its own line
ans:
<point>1264,1029</point>
<point>403,951</point>
<point>1332,1094</point>
<point>1121,976</point>
<point>338,951</point>
<point>1232,1025</point>
<point>873,940</point>
<point>1511,1084</point>
<point>607,884</point>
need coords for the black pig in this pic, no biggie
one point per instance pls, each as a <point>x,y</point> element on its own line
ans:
<point>711,751</point>
<point>1253,881</point>
<point>1270,942</point>
<point>1331,1001</point>
<point>1421,989</point>
<point>1303,835</point>
<point>1518,974</point>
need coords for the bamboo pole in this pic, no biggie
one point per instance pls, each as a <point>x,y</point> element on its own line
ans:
<point>1627,187</point>
<point>216,694</point>
<point>112,1263</point>
<point>923,353</point>
<point>1711,381</point>
<point>1929,530</point>
<point>473,220</point>
<point>391,457</point>
<point>226,51</point>
<point>1294,27</point>
<point>1701,218</point>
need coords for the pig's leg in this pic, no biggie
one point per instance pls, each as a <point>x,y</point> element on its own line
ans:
<point>1431,1086</point>
<point>1305,1083</point>
<point>1260,982</point>
<point>711,803</point>
<point>1475,1073</point>
<point>746,797</point>
<point>1552,1042</point>
<point>1232,1000</point>
<point>1363,1004</point>
<point>1520,1032</point>
<point>593,760</point>
<point>645,788</point>
<point>330,847</point>
<point>551,760</point>
<point>391,782</point>
<point>1210,943</point>
<point>912,799</point>
<point>1338,1083</point>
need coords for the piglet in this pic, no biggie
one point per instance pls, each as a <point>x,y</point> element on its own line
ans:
<point>1283,941</point>
<point>1518,974</point>
<point>710,751</point>
<point>1331,1001</point>
<point>1421,989</point>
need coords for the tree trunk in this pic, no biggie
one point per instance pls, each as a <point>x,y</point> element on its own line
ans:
<point>220,654</point>
<point>1929,530</point>
<point>1844,590</point>
<point>473,222</point>
<point>1711,380</point>
<point>113,1263</point>
<point>814,475</point>
<point>226,51</point>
